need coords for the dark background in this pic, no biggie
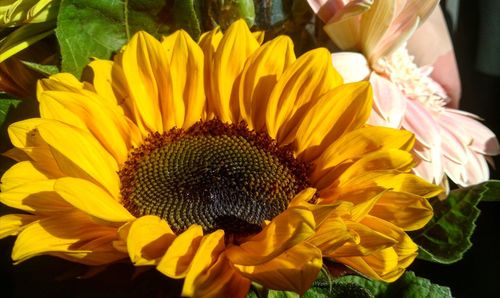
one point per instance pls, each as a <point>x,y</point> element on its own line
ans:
<point>474,276</point>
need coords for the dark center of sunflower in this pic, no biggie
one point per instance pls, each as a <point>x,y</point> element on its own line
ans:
<point>216,175</point>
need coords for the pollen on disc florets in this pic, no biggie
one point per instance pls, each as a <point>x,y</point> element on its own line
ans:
<point>216,175</point>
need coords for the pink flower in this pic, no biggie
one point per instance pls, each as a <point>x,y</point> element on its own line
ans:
<point>450,142</point>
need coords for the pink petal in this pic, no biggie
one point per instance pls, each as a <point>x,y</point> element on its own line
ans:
<point>425,170</point>
<point>353,67</point>
<point>481,139</point>
<point>409,17</point>
<point>455,172</point>
<point>453,147</point>
<point>388,100</point>
<point>431,45</point>
<point>430,166</point>
<point>446,74</point>
<point>474,171</point>
<point>376,119</point>
<point>326,9</point>
<point>420,121</point>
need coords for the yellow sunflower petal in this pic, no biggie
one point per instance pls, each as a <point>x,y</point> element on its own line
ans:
<point>188,86</point>
<point>405,210</point>
<point>209,42</point>
<point>25,136</point>
<point>354,145</point>
<point>330,235</point>
<point>148,239</point>
<point>381,265</point>
<point>260,36</point>
<point>112,130</point>
<point>405,246</point>
<point>236,46</point>
<point>221,280</point>
<point>260,74</point>
<point>79,154</point>
<point>177,259</point>
<point>206,255</point>
<point>394,180</point>
<point>364,200</point>
<point>61,81</point>
<point>35,197</point>
<point>337,112</point>
<point>146,72</point>
<point>12,224</point>
<point>293,270</point>
<point>364,241</point>
<point>285,230</point>
<point>19,174</point>
<point>109,82</point>
<point>389,159</point>
<point>91,199</point>
<point>294,90</point>
<point>55,235</point>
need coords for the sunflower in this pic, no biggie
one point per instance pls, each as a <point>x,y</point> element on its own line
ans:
<point>220,163</point>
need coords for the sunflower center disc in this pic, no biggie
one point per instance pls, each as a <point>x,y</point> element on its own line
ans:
<point>215,175</point>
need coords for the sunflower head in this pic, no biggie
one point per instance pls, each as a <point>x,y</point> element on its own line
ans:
<point>222,162</point>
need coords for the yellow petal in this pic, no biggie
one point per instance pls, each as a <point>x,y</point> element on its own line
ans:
<point>148,239</point>
<point>25,136</point>
<point>405,210</point>
<point>294,90</point>
<point>109,82</point>
<point>395,181</point>
<point>364,241</point>
<point>19,174</point>
<point>188,87</point>
<point>337,112</point>
<point>208,252</point>
<point>12,224</point>
<point>209,42</point>
<point>234,49</point>
<point>375,266</point>
<point>363,200</point>
<point>286,230</point>
<point>80,155</point>
<point>259,36</point>
<point>388,159</point>
<point>61,81</point>
<point>293,270</point>
<point>177,259</point>
<point>55,235</point>
<point>356,144</point>
<point>260,74</point>
<point>91,199</point>
<point>221,280</point>
<point>35,197</point>
<point>330,235</point>
<point>112,129</point>
<point>147,76</point>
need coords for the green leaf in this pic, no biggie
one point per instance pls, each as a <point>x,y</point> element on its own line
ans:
<point>491,191</point>
<point>446,237</point>
<point>407,286</point>
<point>46,70</point>
<point>99,28</point>
<point>7,105</point>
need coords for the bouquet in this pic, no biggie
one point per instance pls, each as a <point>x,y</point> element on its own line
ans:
<point>237,148</point>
